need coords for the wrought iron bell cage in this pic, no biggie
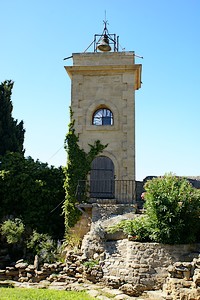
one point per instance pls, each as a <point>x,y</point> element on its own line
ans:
<point>112,38</point>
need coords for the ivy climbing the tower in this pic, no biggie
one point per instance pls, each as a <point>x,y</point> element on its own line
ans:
<point>78,166</point>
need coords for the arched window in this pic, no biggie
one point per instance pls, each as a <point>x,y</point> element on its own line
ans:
<point>102,116</point>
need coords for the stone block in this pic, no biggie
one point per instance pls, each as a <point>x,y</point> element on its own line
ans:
<point>196,277</point>
<point>21,265</point>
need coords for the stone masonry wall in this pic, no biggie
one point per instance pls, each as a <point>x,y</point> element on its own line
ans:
<point>143,264</point>
<point>130,265</point>
<point>106,211</point>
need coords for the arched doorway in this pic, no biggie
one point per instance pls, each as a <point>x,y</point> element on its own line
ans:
<point>102,178</point>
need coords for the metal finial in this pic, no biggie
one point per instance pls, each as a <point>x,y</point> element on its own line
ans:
<point>104,41</point>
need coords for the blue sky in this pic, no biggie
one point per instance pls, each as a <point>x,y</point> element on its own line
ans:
<point>37,34</point>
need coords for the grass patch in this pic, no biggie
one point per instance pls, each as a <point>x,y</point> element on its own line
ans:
<point>91,263</point>
<point>41,294</point>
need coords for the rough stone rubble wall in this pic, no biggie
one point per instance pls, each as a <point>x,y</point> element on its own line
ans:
<point>143,263</point>
<point>144,266</point>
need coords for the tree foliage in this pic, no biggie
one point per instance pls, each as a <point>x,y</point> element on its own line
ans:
<point>12,230</point>
<point>138,228</point>
<point>31,190</point>
<point>172,212</point>
<point>173,209</point>
<point>41,244</point>
<point>25,243</point>
<point>11,132</point>
<point>78,166</point>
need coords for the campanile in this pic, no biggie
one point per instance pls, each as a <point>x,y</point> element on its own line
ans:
<point>103,85</point>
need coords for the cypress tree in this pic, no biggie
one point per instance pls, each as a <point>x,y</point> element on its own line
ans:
<point>11,132</point>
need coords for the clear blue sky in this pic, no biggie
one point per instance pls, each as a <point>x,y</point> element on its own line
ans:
<point>37,34</point>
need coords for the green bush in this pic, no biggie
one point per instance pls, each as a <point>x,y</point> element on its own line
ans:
<point>173,210</point>
<point>43,246</point>
<point>91,263</point>
<point>138,228</point>
<point>24,243</point>
<point>12,230</point>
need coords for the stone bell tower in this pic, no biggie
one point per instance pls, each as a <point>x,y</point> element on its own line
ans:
<point>103,85</point>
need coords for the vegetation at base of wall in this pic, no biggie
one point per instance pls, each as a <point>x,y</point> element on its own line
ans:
<point>172,212</point>
<point>78,167</point>
<point>72,241</point>
<point>38,294</point>
<point>138,228</point>
<point>91,263</point>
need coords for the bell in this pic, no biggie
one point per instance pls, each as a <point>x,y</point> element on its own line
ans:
<point>104,45</point>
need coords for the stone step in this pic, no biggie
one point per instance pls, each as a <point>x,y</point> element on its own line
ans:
<point>103,201</point>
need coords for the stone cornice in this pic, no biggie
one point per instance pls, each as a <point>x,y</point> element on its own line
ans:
<point>135,69</point>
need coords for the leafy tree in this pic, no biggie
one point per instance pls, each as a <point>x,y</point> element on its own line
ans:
<point>11,132</point>
<point>173,209</point>
<point>32,191</point>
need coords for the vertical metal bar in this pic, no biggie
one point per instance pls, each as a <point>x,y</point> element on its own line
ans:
<point>114,42</point>
<point>122,190</point>
<point>117,43</point>
<point>95,43</point>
